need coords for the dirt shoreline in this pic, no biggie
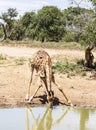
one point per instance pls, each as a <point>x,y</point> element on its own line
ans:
<point>14,82</point>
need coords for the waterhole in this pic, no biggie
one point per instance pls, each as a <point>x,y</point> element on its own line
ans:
<point>42,118</point>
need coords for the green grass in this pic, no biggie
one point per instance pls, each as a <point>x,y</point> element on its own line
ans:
<point>38,44</point>
<point>70,68</point>
<point>19,61</point>
<point>2,57</point>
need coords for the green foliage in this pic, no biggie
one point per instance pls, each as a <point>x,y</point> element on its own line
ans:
<point>50,24</point>
<point>29,22</point>
<point>8,18</point>
<point>64,67</point>
<point>18,31</point>
<point>69,36</point>
<point>94,3</point>
<point>80,62</point>
<point>70,68</point>
<point>94,65</point>
<point>12,13</point>
<point>27,19</point>
<point>19,61</point>
<point>1,32</point>
<point>2,57</point>
<point>76,20</point>
<point>89,36</point>
<point>73,24</point>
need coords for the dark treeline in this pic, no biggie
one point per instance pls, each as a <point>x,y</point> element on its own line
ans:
<point>74,24</point>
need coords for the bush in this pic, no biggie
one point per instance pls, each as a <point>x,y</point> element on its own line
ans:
<point>80,62</point>
<point>19,61</point>
<point>2,57</point>
<point>70,68</point>
<point>68,37</point>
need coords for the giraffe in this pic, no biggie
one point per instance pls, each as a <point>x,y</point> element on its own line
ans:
<point>41,62</point>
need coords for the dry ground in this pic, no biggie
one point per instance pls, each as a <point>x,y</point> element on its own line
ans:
<point>14,80</point>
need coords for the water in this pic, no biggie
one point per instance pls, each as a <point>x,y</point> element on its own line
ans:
<point>37,118</point>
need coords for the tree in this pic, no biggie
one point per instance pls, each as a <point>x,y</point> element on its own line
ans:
<point>50,25</point>
<point>93,2</point>
<point>18,31</point>
<point>76,2</point>
<point>1,32</point>
<point>8,22</point>
<point>76,19</point>
<point>89,36</point>
<point>29,22</point>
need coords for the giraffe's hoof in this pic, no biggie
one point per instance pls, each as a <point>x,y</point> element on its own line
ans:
<point>30,99</point>
<point>27,98</point>
<point>29,102</point>
<point>70,103</point>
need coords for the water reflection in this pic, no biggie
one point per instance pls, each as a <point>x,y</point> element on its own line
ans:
<point>46,121</point>
<point>84,117</point>
<point>41,118</point>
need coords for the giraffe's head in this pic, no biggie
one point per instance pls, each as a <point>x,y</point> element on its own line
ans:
<point>50,97</point>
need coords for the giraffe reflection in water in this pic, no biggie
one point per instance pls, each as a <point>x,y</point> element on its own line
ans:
<point>46,121</point>
<point>84,116</point>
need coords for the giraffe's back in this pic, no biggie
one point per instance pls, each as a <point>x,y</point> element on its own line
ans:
<point>41,61</point>
<point>41,57</point>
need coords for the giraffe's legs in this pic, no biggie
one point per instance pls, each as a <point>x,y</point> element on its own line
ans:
<point>28,94</point>
<point>50,93</point>
<point>61,90</point>
<point>44,82</point>
<point>40,85</point>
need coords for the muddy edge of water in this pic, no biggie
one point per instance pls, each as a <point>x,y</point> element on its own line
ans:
<point>25,105</point>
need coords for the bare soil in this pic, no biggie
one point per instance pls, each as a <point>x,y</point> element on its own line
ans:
<point>14,80</point>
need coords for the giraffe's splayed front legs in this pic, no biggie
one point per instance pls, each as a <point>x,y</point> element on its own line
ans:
<point>29,99</point>
<point>61,90</point>
<point>31,78</point>
<point>67,99</point>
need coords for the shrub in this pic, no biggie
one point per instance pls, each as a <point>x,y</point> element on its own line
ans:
<point>19,61</point>
<point>2,57</point>
<point>70,68</point>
